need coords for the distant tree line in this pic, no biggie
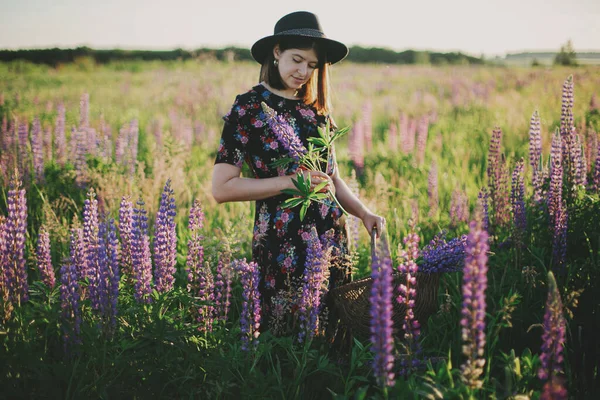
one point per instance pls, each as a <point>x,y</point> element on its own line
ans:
<point>55,56</point>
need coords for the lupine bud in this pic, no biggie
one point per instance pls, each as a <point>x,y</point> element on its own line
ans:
<point>165,241</point>
<point>474,303</point>
<point>44,260</point>
<point>381,315</point>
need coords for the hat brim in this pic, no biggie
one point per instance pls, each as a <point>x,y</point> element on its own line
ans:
<point>336,51</point>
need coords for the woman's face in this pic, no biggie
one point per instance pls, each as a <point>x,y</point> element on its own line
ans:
<point>295,66</point>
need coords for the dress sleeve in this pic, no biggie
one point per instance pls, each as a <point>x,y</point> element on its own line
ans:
<point>232,147</point>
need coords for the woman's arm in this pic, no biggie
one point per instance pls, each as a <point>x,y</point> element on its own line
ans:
<point>354,206</point>
<point>228,185</point>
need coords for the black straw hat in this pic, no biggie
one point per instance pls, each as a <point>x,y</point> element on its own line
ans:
<point>304,24</point>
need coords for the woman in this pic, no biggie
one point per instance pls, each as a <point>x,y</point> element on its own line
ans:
<point>294,83</point>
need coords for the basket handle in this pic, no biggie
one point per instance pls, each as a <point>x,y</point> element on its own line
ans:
<point>373,242</point>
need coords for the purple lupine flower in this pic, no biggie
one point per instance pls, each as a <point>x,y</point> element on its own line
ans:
<point>44,260</point>
<point>70,303</point>
<point>165,241</point>
<point>222,290</point>
<point>113,274</point>
<point>367,123</point>
<point>92,141</point>
<point>133,135</point>
<point>199,275</point>
<point>567,130</point>
<point>23,148</point>
<point>403,132</point>
<point>579,162</point>
<point>556,178</point>
<point>459,208</point>
<point>393,136</point>
<point>313,279</point>
<point>535,156</point>
<point>381,315</point>
<point>442,256</point>
<point>474,303</point>
<point>502,202</point>
<point>126,235</point>
<point>422,131</point>
<point>591,152</point>
<point>251,312</point>
<point>493,168</point>
<point>60,140</point>
<point>206,294</point>
<point>355,146</point>
<point>353,222</point>
<point>517,200</point>
<point>15,230</point>
<point>47,143</point>
<point>553,340</point>
<point>284,133</point>
<point>596,177</point>
<point>410,138</point>
<point>559,236</point>
<point>79,255</point>
<point>90,239</point>
<point>142,262</point>
<point>78,138</point>
<point>121,145</point>
<point>432,188</point>
<point>195,256</point>
<point>84,110</point>
<point>102,286</point>
<point>483,205</point>
<point>37,150</point>
<point>407,266</point>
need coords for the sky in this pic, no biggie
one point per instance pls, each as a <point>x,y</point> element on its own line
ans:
<point>476,27</point>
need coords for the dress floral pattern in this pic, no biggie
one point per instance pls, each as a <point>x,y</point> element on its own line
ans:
<point>277,245</point>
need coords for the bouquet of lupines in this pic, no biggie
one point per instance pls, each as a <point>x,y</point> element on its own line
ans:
<point>318,153</point>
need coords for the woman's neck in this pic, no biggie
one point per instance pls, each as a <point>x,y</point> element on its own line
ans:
<point>288,94</point>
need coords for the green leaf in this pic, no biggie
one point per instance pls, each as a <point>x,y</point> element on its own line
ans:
<point>291,203</point>
<point>320,186</point>
<point>303,210</point>
<point>318,141</point>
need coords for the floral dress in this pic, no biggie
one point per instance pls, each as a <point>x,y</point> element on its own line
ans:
<point>277,244</point>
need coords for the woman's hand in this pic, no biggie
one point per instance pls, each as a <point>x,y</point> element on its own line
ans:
<point>371,221</point>
<point>317,177</point>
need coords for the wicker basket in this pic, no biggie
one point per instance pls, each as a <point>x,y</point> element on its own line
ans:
<point>350,302</point>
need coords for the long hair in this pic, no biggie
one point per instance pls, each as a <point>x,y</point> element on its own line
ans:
<point>316,90</point>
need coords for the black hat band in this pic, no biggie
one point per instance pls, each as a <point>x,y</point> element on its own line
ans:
<point>303,32</point>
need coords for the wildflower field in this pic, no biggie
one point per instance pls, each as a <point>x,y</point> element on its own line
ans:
<point>121,277</point>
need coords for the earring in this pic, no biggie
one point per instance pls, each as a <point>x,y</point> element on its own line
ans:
<point>276,62</point>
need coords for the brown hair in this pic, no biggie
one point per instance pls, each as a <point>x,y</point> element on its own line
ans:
<point>316,90</point>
